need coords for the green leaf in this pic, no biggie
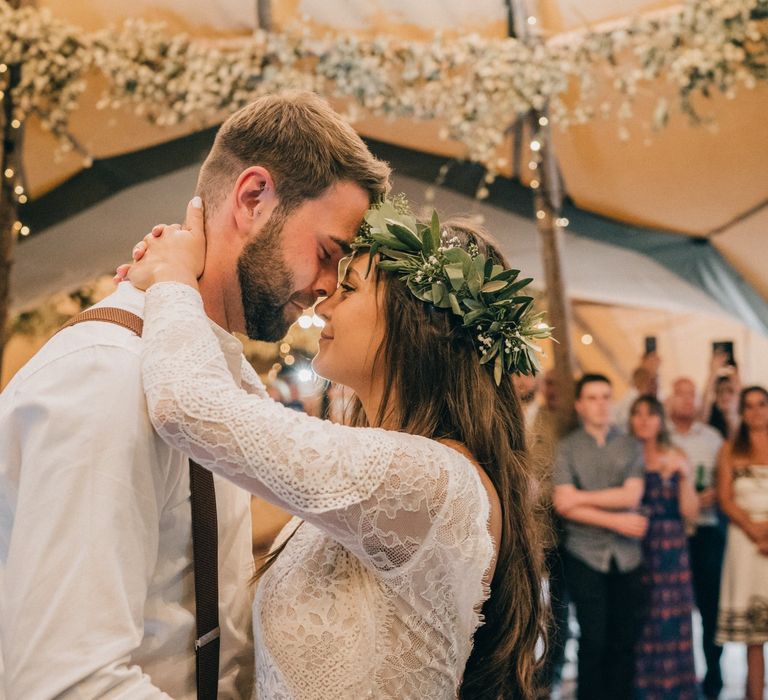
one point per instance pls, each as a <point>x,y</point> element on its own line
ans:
<point>426,240</point>
<point>440,295</point>
<point>455,304</point>
<point>455,273</point>
<point>506,275</point>
<point>473,304</point>
<point>393,265</point>
<point>497,370</point>
<point>521,283</point>
<point>457,255</point>
<point>434,230</point>
<point>385,240</point>
<point>472,316</point>
<point>493,286</point>
<point>405,235</point>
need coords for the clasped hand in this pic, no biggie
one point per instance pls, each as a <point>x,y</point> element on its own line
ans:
<point>169,253</point>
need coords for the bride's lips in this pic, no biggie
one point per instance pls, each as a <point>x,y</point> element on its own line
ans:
<point>323,336</point>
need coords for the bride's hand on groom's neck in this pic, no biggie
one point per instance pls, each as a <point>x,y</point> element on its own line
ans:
<point>169,253</point>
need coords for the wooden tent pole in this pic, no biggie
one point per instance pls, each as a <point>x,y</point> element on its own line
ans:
<point>548,201</point>
<point>10,166</point>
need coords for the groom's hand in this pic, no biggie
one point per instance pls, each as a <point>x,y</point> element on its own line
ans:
<point>169,253</point>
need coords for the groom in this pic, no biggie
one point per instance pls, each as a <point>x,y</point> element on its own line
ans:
<point>96,579</point>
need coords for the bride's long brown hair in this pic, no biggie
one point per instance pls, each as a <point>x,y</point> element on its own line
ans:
<point>435,387</point>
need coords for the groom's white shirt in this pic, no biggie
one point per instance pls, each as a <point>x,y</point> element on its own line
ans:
<point>96,583</point>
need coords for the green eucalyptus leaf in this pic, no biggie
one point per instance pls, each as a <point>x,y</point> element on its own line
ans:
<point>404,235</point>
<point>473,304</point>
<point>506,275</point>
<point>455,273</point>
<point>493,286</point>
<point>457,255</point>
<point>392,265</point>
<point>472,316</point>
<point>387,241</point>
<point>521,283</point>
<point>434,229</point>
<point>455,304</point>
<point>497,370</point>
<point>440,295</point>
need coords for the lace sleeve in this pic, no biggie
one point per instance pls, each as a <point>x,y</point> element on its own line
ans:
<point>379,493</point>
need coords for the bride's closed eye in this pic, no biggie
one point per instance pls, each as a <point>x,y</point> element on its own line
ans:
<point>346,288</point>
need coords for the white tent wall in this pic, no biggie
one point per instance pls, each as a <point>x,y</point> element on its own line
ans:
<point>620,296</point>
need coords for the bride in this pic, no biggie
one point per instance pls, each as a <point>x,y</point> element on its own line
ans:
<point>412,568</point>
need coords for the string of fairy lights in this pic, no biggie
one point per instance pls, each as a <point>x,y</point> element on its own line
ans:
<point>12,171</point>
<point>475,84</point>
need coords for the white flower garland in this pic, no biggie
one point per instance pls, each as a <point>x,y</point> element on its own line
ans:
<point>476,86</point>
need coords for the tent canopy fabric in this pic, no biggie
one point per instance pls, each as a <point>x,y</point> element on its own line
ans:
<point>672,222</point>
<point>695,181</point>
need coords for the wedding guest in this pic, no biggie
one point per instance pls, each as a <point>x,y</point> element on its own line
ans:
<point>645,382</point>
<point>96,570</point>
<point>664,664</point>
<point>720,402</point>
<point>701,443</point>
<point>742,488</point>
<point>526,387</point>
<point>415,568</point>
<point>598,486</point>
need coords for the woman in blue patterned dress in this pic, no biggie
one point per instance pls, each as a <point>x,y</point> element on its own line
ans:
<point>664,654</point>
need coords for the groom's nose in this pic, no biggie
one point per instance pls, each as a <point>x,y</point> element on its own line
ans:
<point>326,281</point>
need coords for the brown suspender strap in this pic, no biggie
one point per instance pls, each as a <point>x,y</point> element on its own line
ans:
<point>205,541</point>
<point>120,317</point>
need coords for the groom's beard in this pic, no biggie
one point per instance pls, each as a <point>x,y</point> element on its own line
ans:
<point>266,283</point>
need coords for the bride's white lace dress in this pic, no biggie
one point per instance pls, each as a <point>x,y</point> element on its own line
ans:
<point>378,593</point>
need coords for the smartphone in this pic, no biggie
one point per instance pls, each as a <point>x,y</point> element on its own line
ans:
<point>725,347</point>
<point>650,344</point>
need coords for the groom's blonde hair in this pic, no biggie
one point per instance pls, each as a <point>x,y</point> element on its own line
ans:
<point>305,145</point>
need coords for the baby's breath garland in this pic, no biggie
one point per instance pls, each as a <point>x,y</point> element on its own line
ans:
<point>437,270</point>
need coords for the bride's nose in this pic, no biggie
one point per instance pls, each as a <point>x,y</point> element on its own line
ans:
<point>324,308</point>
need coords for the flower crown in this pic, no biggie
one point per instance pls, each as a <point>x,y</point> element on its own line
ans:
<point>439,271</point>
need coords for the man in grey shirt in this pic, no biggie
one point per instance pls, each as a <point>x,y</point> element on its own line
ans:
<point>599,481</point>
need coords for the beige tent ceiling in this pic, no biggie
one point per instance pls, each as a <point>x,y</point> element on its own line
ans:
<point>694,181</point>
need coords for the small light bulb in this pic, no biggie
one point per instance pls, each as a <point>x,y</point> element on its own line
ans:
<point>563,222</point>
<point>24,231</point>
<point>23,199</point>
<point>17,226</point>
<point>285,348</point>
<point>535,184</point>
<point>543,121</point>
<point>305,375</point>
<point>9,173</point>
<point>18,189</point>
<point>531,21</point>
<point>533,165</point>
<point>15,124</point>
<point>289,360</point>
<point>3,68</point>
<point>535,145</point>
<point>318,322</point>
<point>540,214</point>
<point>587,339</point>
<point>305,322</point>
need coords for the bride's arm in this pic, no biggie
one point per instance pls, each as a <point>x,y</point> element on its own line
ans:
<point>377,492</point>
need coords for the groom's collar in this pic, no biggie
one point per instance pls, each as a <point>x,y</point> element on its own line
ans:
<point>127,297</point>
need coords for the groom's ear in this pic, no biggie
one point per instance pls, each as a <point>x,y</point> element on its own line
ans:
<point>254,199</point>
